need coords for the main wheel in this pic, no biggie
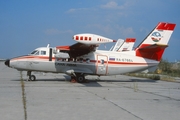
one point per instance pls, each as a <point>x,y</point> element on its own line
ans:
<point>80,78</point>
<point>32,77</point>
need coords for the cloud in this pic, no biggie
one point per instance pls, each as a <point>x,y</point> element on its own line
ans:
<point>110,5</point>
<point>73,10</point>
<point>126,32</point>
<point>104,18</point>
<point>99,28</point>
<point>114,30</point>
<point>56,31</point>
<point>103,10</point>
<point>114,5</point>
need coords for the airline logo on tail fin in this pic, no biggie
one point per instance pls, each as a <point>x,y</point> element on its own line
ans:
<point>156,36</point>
<point>155,43</point>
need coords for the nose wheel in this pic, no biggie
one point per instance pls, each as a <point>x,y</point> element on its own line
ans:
<point>30,77</point>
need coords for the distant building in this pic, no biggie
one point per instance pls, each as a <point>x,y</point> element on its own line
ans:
<point>2,60</point>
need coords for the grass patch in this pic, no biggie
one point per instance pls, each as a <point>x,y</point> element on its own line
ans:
<point>168,78</point>
<point>153,76</point>
<point>144,75</point>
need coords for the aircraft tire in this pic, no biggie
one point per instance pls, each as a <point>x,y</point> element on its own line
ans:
<point>80,78</point>
<point>32,77</point>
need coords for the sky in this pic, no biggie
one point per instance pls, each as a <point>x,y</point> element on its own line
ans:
<point>29,24</point>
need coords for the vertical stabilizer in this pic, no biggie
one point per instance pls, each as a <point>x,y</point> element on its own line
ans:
<point>155,43</point>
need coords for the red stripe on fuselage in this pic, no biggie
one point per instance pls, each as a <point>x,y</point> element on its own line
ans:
<point>33,57</point>
<point>120,63</point>
<point>46,58</point>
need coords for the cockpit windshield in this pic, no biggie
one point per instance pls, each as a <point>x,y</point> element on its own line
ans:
<point>38,52</point>
<point>35,52</point>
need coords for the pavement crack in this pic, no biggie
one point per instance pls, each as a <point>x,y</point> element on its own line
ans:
<point>136,90</point>
<point>113,103</point>
<point>23,96</point>
<point>155,94</point>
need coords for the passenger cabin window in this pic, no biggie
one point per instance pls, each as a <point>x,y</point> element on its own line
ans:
<point>102,61</point>
<point>87,60</point>
<point>43,52</point>
<point>81,60</point>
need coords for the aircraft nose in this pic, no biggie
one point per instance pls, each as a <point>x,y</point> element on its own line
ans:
<point>7,62</point>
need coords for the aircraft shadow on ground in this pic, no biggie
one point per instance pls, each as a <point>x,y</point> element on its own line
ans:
<point>90,83</point>
<point>45,79</point>
<point>67,78</point>
<point>130,80</point>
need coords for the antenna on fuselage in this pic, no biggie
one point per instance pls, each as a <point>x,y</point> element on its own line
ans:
<point>48,45</point>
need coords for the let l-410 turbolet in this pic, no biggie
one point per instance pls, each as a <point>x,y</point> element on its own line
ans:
<point>83,58</point>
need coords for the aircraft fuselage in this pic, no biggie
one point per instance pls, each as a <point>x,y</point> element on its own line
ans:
<point>95,63</point>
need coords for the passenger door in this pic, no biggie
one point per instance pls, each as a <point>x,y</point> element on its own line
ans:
<point>101,64</point>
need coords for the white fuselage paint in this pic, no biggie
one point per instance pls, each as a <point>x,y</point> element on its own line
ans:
<point>94,63</point>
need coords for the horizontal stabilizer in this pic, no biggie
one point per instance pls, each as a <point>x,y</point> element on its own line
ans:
<point>154,51</point>
<point>154,47</point>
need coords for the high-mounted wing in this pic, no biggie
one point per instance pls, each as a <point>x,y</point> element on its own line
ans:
<point>86,44</point>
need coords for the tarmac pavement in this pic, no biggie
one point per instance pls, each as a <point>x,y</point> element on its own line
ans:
<point>53,97</point>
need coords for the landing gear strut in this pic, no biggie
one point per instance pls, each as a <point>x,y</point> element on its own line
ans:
<point>73,79</point>
<point>78,78</point>
<point>30,77</point>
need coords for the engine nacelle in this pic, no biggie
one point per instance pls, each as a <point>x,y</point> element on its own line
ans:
<point>87,38</point>
<point>62,55</point>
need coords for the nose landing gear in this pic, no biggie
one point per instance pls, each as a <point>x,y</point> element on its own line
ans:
<point>30,77</point>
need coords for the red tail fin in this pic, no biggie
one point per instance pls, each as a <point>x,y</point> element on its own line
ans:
<point>155,43</point>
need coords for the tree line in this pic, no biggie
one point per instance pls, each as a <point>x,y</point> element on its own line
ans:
<point>169,68</point>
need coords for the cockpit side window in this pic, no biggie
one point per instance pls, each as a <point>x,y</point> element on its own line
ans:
<point>43,52</point>
<point>37,53</point>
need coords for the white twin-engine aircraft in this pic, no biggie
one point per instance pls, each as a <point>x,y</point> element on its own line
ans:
<point>83,58</point>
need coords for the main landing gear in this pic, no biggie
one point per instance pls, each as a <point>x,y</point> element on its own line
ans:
<point>78,77</point>
<point>30,77</point>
